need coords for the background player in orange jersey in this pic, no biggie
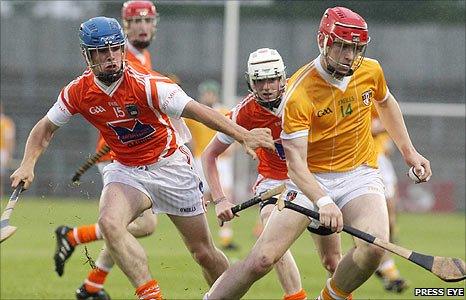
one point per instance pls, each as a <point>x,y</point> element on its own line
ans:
<point>209,94</point>
<point>330,157</point>
<point>7,145</point>
<point>151,167</point>
<point>266,79</point>
<point>140,25</point>
<point>387,271</point>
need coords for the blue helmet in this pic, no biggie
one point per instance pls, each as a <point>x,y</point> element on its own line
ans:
<point>101,33</point>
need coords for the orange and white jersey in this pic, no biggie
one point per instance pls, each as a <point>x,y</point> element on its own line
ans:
<point>135,114</point>
<point>335,115</point>
<point>135,58</point>
<point>250,114</point>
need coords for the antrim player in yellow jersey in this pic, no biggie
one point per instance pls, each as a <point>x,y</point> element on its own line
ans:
<point>209,94</point>
<point>387,271</point>
<point>7,145</point>
<point>330,156</point>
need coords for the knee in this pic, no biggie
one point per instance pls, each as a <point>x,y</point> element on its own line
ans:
<point>373,255</point>
<point>330,261</point>
<point>143,226</point>
<point>261,264</point>
<point>203,254</point>
<point>109,226</point>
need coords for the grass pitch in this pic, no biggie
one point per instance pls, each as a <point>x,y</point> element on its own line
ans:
<point>27,270</point>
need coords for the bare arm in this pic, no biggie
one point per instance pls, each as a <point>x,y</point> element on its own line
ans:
<point>392,120</point>
<point>296,161</point>
<point>209,165</point>
<point>38,140</point>
<point>259,137</point>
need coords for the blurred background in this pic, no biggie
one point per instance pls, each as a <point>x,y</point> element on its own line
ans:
<point>420,45</point>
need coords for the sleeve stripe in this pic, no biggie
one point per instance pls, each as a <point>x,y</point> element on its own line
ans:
<point>386,96</point>
<point>294,135</point>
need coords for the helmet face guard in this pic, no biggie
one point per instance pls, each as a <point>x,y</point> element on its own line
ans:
<point>266,64</point>
<point>136,14</point>
<point>109,70</point>
<point>335,52</point>
<point>342,34</point>
<point>103,46</point>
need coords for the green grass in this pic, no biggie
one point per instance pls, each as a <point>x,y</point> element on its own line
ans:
<point>27,270</point>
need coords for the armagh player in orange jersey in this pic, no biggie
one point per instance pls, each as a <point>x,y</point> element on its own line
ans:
<point>330,156</point>
<point>135,111</point>
<point>266,80</point>
<point>139,23</point>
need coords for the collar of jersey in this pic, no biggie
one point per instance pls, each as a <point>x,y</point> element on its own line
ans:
<point>340,84</point>
<point>109,89</point>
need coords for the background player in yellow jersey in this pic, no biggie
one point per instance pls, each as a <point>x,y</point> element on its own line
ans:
<point>209,94</point>
<point>331,158</point>
<point>139,23</point>
<point>387,270</point>
<point>7,145</point>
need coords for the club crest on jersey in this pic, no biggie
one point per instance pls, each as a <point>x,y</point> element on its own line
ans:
<point>132,132</point>
<point>291,195</point>
<point>366,97</point>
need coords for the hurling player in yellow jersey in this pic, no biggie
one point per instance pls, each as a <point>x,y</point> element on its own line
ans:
<point>327,126</point>
<point>330,157</point>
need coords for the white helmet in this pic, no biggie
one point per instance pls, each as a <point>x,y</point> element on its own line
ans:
<point>265,63</point>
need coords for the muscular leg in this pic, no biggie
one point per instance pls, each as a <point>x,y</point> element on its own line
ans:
<point>282,229</point>
<point>367,213</point>
<point>142,226</point>
<point>120,204</point>
<point>198,239</point>
<point>286,268</point>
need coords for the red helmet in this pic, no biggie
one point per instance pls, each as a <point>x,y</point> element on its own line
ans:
<point>138,8</point>
<point>340,23</point>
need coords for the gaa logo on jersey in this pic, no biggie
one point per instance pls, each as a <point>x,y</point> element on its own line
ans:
<point>366,97</point>
<point>132,131</point>
<point>291,195</point>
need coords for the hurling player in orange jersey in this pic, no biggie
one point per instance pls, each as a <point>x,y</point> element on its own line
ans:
<point>326,121</point>
<point>139,23</point>
<point>266,79</point>
<point>137,110</point>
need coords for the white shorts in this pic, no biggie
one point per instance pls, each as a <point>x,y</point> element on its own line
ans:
<point>172,183</point>
<point>225,171</point>
<point>101,166</point>
<point>388,175</point>
<point>343,187</point>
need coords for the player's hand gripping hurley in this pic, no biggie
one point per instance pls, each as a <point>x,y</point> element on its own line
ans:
<point>446,268</point>
<point>89,163</point>
<point>257,199</point>
<point>6,229</point>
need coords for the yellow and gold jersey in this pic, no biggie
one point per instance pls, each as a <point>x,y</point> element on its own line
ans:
<point>201,134</point>
<point>334,114</point>
<point>7,133</point>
